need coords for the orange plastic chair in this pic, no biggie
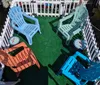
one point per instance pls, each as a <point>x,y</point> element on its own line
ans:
<point>20,61</point>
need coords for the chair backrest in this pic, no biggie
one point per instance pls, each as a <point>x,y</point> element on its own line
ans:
<point>92,73</point>
<point>79,16</point>
<point>19,61</point>
<point>80,13</point>
<point>16,15</point>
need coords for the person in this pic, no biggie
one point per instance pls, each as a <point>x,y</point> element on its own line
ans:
<point>2,66</point>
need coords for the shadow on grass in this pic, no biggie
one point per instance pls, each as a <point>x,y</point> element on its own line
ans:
<point>54,24</point>
<point>9,75</point>
<point>21,35</point>
<point>52,78</point>
<point>34,76</point>
<point>30,76</point>
<point>59,62</point>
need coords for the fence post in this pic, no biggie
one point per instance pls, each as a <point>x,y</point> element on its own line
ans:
<point>35,7</point>
<point>62,8</point>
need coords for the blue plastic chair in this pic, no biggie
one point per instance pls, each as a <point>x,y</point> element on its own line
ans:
<point>72,67</point>
<point>18,23</point>
<point>77,72</point>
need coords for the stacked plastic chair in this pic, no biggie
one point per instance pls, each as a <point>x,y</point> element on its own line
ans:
<point>79,16</point>
<point>18,23</point>
<point>18,57</point>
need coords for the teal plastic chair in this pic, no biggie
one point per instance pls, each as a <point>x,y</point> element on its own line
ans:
<point>73,23</point>
<point>18,23</point>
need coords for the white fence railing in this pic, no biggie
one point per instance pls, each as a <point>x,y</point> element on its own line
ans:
<point>6,33</point>
<point>46,7</point>
<point>91,45</point>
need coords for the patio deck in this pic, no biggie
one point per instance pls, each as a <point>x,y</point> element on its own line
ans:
<point>48,49</point>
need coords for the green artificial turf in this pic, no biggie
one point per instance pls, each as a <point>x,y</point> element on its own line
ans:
<point>47,47</point>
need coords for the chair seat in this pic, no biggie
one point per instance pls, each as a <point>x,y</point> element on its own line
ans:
<point>65,28</point>
<point>30,29</point>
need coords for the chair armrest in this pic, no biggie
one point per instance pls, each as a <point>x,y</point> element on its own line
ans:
<point>65,18</point>
<point>13,25</point>
<point>15,47</point>
<point>68,16</point>
<point>82,56</point>
<point>30,17</point>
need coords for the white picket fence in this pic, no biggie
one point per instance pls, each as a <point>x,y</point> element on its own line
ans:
<point>46,7</point>
<point>6,33</point>
<point>91,45</point>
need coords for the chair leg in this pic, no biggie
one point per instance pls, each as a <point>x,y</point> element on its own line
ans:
<point>39,30</point>
<point>29,40</point>
<point>57,31</point>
